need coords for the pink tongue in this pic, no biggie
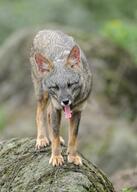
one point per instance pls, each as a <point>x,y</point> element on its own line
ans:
<point>68,112</point>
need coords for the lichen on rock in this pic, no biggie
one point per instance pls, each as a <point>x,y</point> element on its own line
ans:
<point>22,168</point>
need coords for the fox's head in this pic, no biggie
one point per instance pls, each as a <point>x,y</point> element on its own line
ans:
<point>61,78</point>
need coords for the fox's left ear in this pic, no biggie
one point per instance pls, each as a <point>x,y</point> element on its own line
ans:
<point>74,57</point>
<point>43,64</point>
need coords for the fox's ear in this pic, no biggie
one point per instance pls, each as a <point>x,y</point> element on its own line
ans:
<point>74,57</point>
<point>43,64</point>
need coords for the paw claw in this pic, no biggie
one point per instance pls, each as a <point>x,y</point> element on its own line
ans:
<point>56,160</point>
<point>41,143</point>
<point>75,159</point>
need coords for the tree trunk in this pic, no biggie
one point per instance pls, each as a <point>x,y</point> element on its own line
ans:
<point>24,169</point>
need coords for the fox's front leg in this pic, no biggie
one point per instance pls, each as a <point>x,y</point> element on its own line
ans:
<point>42,140</point>
<point>62,142</point>
<point>73,157</point>
<point>54,124</point>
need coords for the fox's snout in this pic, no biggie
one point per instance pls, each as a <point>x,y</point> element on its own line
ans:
<point>66,102</point>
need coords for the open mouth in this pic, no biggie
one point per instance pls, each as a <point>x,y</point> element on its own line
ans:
<point>66,104</point>
<point>67,111</point>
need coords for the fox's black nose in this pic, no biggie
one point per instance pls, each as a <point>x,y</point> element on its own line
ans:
<point>65,101</point>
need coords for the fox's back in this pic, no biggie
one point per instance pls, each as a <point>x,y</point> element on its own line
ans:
<point>55,44</point>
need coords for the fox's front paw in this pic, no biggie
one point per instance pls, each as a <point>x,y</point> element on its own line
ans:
<point>76,159</point>
<point>56,160</point>
<point>42,142</point>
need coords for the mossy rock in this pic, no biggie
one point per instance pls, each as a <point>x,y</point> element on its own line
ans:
<point>25,169</point>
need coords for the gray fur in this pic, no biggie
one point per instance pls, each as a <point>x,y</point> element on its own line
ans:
<point>62,82</point>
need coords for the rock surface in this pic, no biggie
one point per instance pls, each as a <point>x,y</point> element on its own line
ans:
<point>24,169</point>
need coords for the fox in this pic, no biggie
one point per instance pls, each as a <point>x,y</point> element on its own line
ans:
<point>62,82</point>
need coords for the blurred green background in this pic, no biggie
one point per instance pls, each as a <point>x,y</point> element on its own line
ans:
<point>107,31</point>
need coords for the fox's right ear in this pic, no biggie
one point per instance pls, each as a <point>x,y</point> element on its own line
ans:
<point>74,57</point>
<point>43,64</point>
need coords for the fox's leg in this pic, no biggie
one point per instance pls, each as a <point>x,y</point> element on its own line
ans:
<point>73,157</point>
<point>62,142</point>
<point>54,123</point>
<point>42,140</point>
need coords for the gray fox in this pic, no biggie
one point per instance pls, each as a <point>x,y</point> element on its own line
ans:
<point>62,82</point>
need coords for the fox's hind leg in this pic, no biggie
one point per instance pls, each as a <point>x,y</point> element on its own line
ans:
<point>54,117</point>
<point>42,140</point>
<point>73,156</point>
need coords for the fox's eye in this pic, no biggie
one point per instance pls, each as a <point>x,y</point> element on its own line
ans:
<point>71,84</point>
<point>54,87</point>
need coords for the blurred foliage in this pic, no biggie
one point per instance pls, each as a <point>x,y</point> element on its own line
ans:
<point>87,15</point>
<point>18,14</point>
<point>2,118</point>
<point>104,9</point>
<point>123,34</point>
<point>127,190</point>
